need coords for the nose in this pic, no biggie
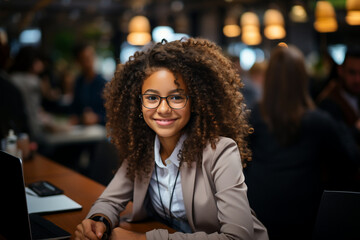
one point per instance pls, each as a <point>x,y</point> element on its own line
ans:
<point>164,106</point>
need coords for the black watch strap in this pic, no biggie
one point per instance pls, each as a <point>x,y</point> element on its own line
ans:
<point>106,234</point>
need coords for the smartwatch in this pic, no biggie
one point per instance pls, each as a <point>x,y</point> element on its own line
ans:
<point>102,219</point>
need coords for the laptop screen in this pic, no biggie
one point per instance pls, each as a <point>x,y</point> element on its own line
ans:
<point>14,220</point>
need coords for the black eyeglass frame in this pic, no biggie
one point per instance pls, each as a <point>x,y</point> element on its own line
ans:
<point>166,99</point>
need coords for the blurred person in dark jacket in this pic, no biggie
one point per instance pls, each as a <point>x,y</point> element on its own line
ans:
<point>12,108</point>
<point>341,97</point>
<point>88,104</point>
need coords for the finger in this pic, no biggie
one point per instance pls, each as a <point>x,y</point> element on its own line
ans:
<point>79,232</point>
<point>88,231</point>
<point>99,229</point>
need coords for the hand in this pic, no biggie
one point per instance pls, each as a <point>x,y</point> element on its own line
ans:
<point>74,120</point>
<point>90,230</point>
<point>122,234</point>
<point>89,117</point>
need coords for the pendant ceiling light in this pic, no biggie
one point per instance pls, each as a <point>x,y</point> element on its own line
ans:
<point>274,24</point>
<point>353,12</point>
<point>231,28</point>
<point>250,29</point>
<point>298,14</point>
<point>325,17</point>
<point>139,31</point>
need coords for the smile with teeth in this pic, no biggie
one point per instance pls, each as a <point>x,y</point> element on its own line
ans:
<point>164,122</point>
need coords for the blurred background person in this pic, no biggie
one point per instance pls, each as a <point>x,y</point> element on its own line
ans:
<point>292,144</point>
<point>50,87</point>
<point>341,97</point>
<point>253,83</point>
<point>24,72</point>
<point>88,104</point>
<point>14,118</point>
<point>12,107</point>
<point>67,87</point>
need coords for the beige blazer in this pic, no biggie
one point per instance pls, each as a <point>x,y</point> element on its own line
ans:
<point>214,195</point>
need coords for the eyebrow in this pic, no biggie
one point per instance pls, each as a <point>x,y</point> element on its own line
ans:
<point>179,90</point>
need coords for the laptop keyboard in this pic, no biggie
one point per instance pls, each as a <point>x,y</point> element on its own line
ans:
<point>42,228</point>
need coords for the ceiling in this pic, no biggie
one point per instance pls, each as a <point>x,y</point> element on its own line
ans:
<point>17,15</point>
<point>56,16</point>
<point>148,7</point>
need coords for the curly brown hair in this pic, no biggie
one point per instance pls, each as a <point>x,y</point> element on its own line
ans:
<point>217,107</point>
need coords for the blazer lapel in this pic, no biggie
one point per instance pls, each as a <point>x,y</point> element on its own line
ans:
<point>188,183</point>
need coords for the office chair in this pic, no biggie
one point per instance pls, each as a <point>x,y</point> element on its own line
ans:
<point>338,216</point>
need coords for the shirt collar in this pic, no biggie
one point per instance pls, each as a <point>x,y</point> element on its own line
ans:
<point>174,155</point>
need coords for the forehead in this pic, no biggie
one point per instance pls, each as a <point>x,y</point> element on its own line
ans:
<point>163,80</point>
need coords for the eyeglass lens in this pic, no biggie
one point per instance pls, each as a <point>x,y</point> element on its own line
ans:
<point>174,101</point>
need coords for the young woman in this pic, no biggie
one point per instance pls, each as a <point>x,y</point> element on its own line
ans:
<point>175,113</point>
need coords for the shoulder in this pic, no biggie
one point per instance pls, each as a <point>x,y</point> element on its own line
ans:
<point>317,117</point>
<point>316,114</point>
<point>226,150</point>
<point>331,105</point>
<point>321,122</point>
<point>221,143</point>
<point>99,79</point>
<point>225,141</point>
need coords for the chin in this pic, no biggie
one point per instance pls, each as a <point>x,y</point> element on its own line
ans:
<point>166,134</point>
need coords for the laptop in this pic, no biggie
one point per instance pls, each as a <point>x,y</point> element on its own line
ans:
<point>15,221</point>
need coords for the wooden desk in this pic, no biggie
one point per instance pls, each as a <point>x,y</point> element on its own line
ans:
<point>79,188</point>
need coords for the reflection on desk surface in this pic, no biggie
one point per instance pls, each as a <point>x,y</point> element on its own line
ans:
<point>76,134</point>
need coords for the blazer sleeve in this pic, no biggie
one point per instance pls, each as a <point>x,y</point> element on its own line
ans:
<point>222,167</point>
<point>115,197</point>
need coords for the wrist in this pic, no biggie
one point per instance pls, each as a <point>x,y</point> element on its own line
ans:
<point>103,219</point>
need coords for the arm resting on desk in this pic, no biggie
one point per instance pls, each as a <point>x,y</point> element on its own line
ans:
<point>115,197</point>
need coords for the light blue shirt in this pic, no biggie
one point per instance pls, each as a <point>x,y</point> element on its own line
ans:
<point>166,176</point>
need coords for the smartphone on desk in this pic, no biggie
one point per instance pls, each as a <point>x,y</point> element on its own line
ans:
<point>44,188</point>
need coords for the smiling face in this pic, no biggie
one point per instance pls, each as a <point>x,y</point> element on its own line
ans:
<point>165,121</point>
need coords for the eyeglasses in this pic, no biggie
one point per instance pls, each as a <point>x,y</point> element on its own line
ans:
<point>152,101</point>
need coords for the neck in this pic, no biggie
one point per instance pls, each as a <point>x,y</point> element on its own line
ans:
<point>167,146</point>
<point>89,76</point>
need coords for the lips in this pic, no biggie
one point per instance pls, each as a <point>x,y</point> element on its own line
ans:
<point>164,122</point>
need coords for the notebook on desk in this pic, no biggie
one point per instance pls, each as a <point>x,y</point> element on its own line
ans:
<point>15,220</point>
<point>49,204</point>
